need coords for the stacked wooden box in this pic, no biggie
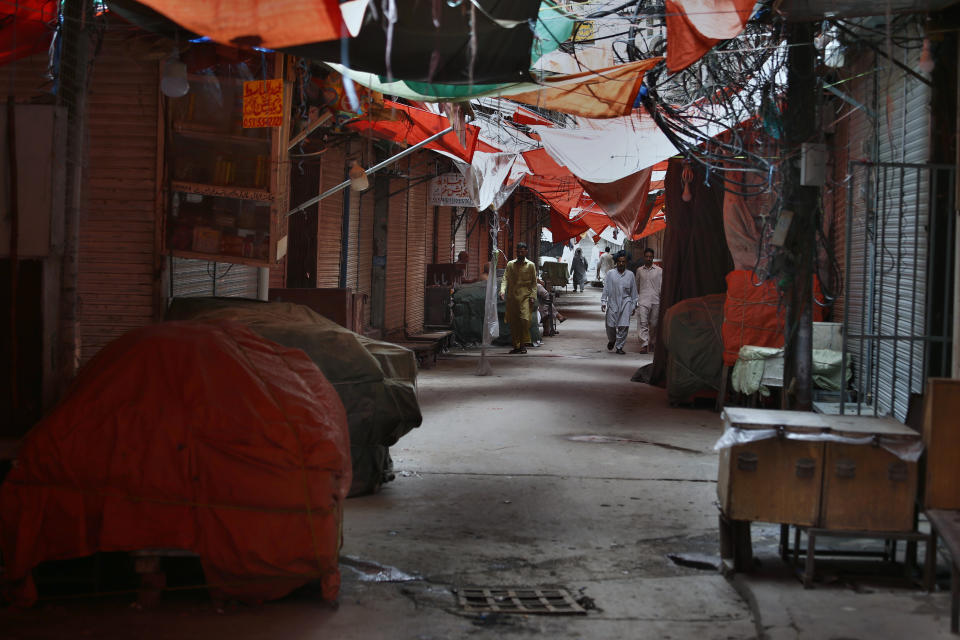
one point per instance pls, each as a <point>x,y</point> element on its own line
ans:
<point>813,480</point>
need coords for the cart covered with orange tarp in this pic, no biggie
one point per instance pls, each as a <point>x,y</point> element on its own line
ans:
<point>202,437</point>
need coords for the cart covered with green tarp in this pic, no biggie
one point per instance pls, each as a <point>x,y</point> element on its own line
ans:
<point>468,317</point>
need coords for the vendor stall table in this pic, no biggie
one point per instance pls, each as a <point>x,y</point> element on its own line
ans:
<point>854,476</point>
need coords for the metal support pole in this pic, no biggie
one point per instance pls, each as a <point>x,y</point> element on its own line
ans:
<point>804,201</point>
<point>74,71</point>
<point>386,163</point>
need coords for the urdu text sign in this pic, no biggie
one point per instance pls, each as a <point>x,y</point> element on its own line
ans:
<point>263,103</point>
<point>450,190</point>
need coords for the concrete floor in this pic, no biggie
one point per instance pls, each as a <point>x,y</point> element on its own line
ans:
<point>556,471</point>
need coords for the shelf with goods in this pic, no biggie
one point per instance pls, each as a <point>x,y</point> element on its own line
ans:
<point>224,182</point>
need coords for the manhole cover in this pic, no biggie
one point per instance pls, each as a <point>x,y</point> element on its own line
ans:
<point>520,600</point>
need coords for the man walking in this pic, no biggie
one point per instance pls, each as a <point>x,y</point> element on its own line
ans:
<point>519,290</point>
<point>618,301</point>
<point>604,265</point>
<point>649,279</point>
<point>579,269</point>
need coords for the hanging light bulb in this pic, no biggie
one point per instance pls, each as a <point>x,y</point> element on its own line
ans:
<point>174,83</point>
<point>926,60</point>
<point>358,177</point>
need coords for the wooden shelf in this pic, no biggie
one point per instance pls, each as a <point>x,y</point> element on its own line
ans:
<point>200,132</point>
<point>219,257</point>
<point>223,191</point>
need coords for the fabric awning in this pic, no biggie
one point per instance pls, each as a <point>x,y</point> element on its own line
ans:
<point>695,26</point>
<point>26,27</point>
<point>603,93</point>
<point>657,221</point>
<point>624,200</point>
<point>562,228</point>
<point>262,23</point>
<point>605,150</point>
<point>416,125</point>
<point>562,194</point>
<point>596,221</point>
<point>424,51</point>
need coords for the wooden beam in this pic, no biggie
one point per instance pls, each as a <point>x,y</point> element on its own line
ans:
<point>311,127</point>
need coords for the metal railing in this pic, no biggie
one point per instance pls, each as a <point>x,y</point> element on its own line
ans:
<point>900,221</point>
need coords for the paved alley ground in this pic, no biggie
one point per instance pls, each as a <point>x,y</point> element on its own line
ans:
<point>556,471</point>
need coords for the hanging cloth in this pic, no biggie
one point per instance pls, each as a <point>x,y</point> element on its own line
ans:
<point>695,26</point>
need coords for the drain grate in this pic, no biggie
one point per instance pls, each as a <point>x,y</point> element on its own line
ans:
<point>519,600</point>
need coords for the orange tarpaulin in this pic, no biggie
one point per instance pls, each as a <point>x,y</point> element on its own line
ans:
<point>657,221</point>
<point>596,221</point>
<point>753,314</point>
<point>196,436</point>
<point>416,125</point>
<point>26,27</point>
<point>624,200</point>
<point>261,23</point>
<point>695,26</point>
<point>525,116</point>
<point>562,194</point>
<point>603,93</point>
<point>563,228</point>
<point>541,164</point>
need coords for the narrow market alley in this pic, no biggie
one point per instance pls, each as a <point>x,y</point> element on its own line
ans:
<point>554,472</point>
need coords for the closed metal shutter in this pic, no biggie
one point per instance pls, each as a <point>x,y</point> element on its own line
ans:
<point>365,251</point>
<point>444,228</point>
<point>192,278</point>
<point>353,240</point>
<point>396,258</point>
<point>889,202</point>
<point>463,216</point>
<point>331,216</point>
<point>118,238</point>
<point>417,243</point>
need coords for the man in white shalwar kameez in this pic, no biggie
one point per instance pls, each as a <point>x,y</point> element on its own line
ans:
<point>618,301</point>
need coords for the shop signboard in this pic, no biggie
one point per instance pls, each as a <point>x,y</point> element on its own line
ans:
<point>263,103</point>
<point>450,190</point>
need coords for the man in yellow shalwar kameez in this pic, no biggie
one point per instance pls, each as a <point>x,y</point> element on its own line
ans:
<point>519,290</point>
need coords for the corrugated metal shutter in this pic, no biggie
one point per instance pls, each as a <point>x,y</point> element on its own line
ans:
<point>904,198</point>
<point>353,240</point>
<point>365,251</point>
<point>396,258</point>
<point>26,77</point>
<point>117,288</point>
<point>191,278</point>
<point>331,216</point>
<point>888,252</point>
<point>460,237</point>
<point>416,257</point>
<point>444,229</point>
<point>860,143</point>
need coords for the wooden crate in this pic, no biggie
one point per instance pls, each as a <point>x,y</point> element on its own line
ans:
<point>773,480</point>
<point>820,483</point>
<point>867,488</point>
<point>941,434</point>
